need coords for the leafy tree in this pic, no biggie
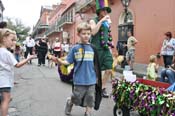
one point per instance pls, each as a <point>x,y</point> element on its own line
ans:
<point>21,30</point>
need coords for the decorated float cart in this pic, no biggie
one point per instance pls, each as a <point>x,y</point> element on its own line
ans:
<point>149,98</point>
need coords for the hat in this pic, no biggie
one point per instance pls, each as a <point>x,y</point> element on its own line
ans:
<point>102,5</point>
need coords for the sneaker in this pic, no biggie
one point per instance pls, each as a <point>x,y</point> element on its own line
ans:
<point>104,93</point>
<point>68,107</point>
<point>88,114</point>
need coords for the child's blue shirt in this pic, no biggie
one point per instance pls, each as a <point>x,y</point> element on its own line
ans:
<point>85,74</point>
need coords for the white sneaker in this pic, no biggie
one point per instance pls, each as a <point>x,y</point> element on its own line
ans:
<point>68,107</point>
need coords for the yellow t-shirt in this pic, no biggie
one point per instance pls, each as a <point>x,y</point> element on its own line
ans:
<point>151,71</point>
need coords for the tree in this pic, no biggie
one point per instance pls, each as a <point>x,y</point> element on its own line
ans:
<point>21,30</point>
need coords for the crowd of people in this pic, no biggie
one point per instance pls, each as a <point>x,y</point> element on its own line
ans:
<point>41,47</point>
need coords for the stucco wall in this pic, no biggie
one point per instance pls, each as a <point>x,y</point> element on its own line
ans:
<point>152,18</point>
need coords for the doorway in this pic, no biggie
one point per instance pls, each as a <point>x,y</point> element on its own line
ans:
<point>125,25</point>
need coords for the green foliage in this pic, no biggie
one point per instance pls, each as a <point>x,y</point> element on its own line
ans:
<point>21,30</point>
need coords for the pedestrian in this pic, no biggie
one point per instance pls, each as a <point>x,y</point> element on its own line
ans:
<point>102,40</point>
<point>30,43</point>
<point>65,47</point>
<point>130,54</point>
<point>7,62</point>
<point>50,52</point>
<point>42,49</point>
<point>57,48</point>
<point>167,49</point>
<point>23,51</point>
<point>152,68</point>
<point>82,55</point>
<point>17,52</point>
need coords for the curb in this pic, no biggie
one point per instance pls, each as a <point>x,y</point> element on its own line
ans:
<point>137,73</point>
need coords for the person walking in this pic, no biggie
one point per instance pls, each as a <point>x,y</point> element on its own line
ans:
<point>102,40</point>
<point>65,47</point>
<point>30,43</point>
<point>23,51</point>
<point>57,48</point>
<point>82,55</point>
<point>130,54</point>
<point>7,62</point>
<point>17,52</point>
<point>42,49</point>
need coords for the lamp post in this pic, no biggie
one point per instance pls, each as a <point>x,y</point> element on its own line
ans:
<point>125,4</point>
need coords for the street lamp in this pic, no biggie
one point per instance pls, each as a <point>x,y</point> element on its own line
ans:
<point>125,4</point>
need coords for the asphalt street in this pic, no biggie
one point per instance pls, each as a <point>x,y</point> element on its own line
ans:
<point>39,92</point>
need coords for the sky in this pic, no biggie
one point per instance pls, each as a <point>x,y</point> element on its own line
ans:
<point>28,11</point>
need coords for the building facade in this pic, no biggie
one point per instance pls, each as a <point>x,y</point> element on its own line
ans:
<point>147,19</point>
<point>43,22</point>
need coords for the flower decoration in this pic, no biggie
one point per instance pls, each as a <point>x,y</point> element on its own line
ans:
<point>148,100</point>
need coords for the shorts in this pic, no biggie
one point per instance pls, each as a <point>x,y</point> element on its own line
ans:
<point>5,89</point>
<point>130,55</point>
<point>83,95</point>
<point>105,59</point>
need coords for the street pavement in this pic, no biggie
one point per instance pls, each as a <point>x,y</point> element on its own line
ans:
<point>39,92</point>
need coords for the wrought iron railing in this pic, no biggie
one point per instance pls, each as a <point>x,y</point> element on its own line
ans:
<point>52,29</point>
<point>67,18</point>
<point>82,4</point>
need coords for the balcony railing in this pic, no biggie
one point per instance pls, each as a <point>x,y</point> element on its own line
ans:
<point>39,26</point>
<point>53,29</point>
<point>65,19</point>
<point>83,5</point>
<point>43,26</point>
